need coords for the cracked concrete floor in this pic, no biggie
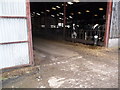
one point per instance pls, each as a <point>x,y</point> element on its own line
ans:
<point>65,65</point>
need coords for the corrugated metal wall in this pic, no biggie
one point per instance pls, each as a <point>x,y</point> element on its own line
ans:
<point>13,55</point>
<point>119,18</point>
<point>12,8</point>
<point>14,46</point>
<point>114,27</point>
<point>12,30</point>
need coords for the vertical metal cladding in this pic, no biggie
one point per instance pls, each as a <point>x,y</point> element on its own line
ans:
<point>13,55</point>
<point>114,30</point>
<point>13,30</point>
<point>12,7</point>
<point>119,18</point>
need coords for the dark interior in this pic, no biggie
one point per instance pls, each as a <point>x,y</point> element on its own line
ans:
<point>48,20</point>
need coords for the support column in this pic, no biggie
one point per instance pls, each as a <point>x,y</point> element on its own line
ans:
<point>64,30</point>
<point>108,21</point>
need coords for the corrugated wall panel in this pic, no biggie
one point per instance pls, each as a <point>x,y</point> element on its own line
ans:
<point>119,18</point>
<point>114,27</point>
<point>12,7</point>
<point>12,30</point>
<point>13,55</point>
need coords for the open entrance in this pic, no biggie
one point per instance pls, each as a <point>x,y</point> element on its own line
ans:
<point>57,20</point>
<point>59,65</point>
<point>82,22</point>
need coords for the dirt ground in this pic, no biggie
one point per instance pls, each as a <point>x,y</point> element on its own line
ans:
<point>67,65</point>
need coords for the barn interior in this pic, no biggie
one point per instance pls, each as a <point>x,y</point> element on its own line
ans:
<point>56,20</point>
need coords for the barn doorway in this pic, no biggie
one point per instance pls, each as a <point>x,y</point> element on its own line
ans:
<point>50,20</point>
<point>55,20</point>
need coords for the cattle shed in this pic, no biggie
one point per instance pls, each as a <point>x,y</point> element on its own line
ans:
<point>20,20</point>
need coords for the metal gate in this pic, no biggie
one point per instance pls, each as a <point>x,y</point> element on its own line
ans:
<point>15,34</point>
<point>87,36</point>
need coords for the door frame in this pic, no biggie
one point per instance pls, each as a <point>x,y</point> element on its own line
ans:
<point>29,26</point>
<point>108,22</point>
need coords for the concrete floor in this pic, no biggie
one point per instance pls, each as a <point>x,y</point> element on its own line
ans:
<point>66,65</point>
